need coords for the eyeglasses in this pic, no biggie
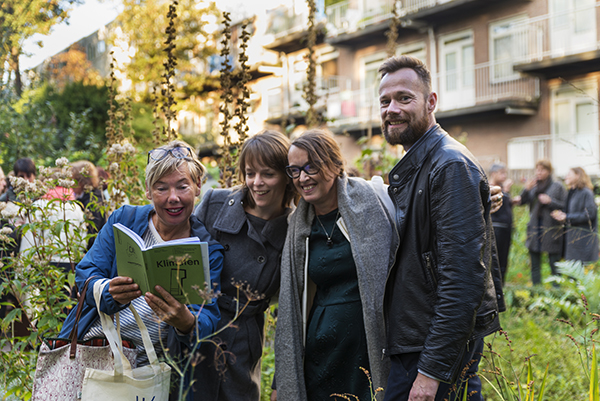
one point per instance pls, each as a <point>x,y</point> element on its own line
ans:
<point>294,171</point>
<point>160,153</point>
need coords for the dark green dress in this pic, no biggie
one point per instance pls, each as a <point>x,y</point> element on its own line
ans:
<point>336,344</point>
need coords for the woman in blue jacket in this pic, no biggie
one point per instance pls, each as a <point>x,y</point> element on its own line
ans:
<point>173,180</point>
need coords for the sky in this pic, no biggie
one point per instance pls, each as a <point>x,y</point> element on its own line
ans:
<point>91,16</point>
<point>84,20</point>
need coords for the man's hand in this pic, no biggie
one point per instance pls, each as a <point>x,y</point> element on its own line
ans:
<point>496,195</point>
<point>423,389</point>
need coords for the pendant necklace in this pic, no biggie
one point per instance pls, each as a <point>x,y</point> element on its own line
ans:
<point>329,240</point>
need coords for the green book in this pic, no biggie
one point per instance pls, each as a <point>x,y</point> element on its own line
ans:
<point>176,265</point>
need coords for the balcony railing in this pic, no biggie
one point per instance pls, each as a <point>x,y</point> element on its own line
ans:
<point>413,6</point>
<point>282,21</point>
<point>348,16</point>
<point>325,86</point>
<point>482,84</point>
<point>557,34</point>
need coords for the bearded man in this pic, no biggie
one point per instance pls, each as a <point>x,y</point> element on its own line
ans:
<point>441,298</point>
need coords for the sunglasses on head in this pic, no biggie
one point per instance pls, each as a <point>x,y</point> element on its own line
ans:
<point>160,153</point>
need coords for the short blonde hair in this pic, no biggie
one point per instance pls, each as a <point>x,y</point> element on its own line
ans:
<point>156,169</point>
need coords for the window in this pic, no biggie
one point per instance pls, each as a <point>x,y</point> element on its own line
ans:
<point>91,51</point>
<point>572,26</point>
<point>575,127</point>
<point>508,45</point>
<point>101,47</point>
<point>417,50</point>
<point>457,75</point>
<point>370,73</point>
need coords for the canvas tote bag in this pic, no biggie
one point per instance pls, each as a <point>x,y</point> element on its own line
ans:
<point>149,383</point>
<point>59,371</point>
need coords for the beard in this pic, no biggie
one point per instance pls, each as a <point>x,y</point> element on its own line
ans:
<point>416,127</point>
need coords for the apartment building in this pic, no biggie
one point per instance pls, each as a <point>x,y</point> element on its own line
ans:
<point>517,79</point>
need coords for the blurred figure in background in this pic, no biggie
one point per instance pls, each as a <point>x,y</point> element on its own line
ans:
<point>580,218</point>
<point>502,220</point>
<point>544,234</point>
<point>3,184</point>
<point>89,193</point>
<point>24,168</point>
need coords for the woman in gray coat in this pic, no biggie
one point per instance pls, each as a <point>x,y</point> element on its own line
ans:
<point>333,270</point>
<point>580,218</point>
<point>544,234</point>
<point>251,223</point>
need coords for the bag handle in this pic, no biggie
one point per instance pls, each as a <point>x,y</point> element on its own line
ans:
<point>114,335</point>
<point>120,361</point>
<point>80,302</point>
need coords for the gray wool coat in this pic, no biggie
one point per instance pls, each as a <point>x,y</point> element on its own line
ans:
<point>544,236</point>
<point>251,257</point>
<point>581,227</point>
<point>371,233</point>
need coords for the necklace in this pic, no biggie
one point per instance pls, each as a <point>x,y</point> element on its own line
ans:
<point>329,240</point>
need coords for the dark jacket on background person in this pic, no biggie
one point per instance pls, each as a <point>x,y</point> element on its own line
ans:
<point>544,234</point>
<point>251,257</point>
<point>9,195</point>
<point>581,226</point>
<point>444,288</point>
<point>93,201</point>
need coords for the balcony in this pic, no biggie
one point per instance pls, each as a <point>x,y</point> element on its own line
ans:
<point>442,10</point>
<point>348,21</point>
<point>294,99</point>
<point>289,29</point>
<point>486,88</point>
<point>560,44</point>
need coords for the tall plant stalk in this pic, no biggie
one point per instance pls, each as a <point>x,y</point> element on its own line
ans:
<point>310,95</point>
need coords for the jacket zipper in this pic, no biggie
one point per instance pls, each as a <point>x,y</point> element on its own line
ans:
<point>430,267</point>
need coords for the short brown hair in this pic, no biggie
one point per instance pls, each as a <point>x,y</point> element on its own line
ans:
<point>267,148</point>
<point>397,63</point>
<point>583,180</point>
<point>323,151</point>
<point>546,164</point>
<point>86,175</point>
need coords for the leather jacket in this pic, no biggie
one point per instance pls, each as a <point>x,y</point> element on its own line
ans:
<point>440,293</point>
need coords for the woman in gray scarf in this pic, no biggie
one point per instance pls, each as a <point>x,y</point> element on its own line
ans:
<point>333,270</point>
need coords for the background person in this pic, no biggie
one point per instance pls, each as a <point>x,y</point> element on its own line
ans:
<point>88,193</point>
<point>173,179</point>
<point>23,168</point>
<point>580,218</point>
<point>502,219</point>
<point>250,221</point>
<point>544,234</point>
<point>334,264</point>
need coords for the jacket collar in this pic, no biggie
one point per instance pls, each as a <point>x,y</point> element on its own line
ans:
<point>232,218</point>
<point>415,157</point>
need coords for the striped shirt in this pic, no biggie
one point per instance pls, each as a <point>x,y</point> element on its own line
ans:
<point>129,329</point>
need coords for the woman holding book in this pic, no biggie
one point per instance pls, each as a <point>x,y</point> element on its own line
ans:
<point>333,272</point>
<point>173,180</point>
<point>250,221</point>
